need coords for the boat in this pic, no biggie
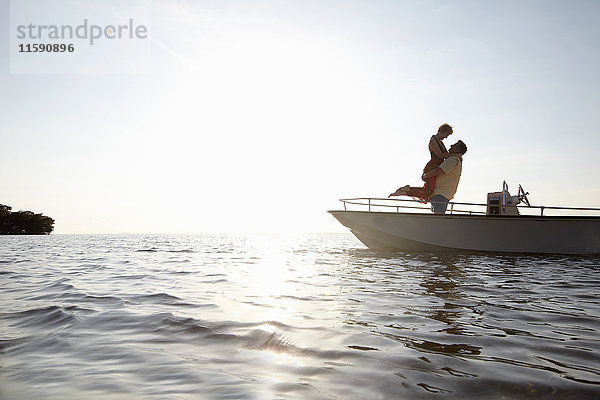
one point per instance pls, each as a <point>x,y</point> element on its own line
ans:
<point>502,225</point>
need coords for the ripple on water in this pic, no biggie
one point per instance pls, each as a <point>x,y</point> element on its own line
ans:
<point>280,316</point>
<point>43,318</point>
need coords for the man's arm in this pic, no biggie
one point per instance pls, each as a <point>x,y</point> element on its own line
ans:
<point>444,168</point>
<point>434,172</point>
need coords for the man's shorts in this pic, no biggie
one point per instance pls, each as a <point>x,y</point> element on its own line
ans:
<point>439,204</point>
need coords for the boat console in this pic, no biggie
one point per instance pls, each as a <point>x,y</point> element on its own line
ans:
<point>502,203</point>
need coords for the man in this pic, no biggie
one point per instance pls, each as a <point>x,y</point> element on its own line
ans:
<point>448,176</point>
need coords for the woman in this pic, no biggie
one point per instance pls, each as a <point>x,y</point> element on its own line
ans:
<point>438,154</point>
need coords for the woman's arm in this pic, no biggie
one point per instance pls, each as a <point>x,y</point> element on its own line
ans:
<point>435,149</point>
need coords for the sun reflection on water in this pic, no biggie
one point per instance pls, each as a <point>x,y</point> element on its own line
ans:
<point>269,286</point>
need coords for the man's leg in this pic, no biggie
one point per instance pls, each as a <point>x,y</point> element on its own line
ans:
<point>439,204</point>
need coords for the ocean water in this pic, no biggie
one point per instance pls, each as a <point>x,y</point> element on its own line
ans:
<point>312,316</point>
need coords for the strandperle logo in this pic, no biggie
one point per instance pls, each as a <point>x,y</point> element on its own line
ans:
<point>80,36</point>
<point>83,31</point>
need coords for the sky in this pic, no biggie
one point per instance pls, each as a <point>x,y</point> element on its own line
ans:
<point>257,116</point>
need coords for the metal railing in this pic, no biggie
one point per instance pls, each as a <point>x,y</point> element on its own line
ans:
<point>374,203</point>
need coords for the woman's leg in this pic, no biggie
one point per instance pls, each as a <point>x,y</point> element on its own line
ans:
<point>403,191</point>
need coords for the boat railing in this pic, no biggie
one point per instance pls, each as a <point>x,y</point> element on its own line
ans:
<point>384,204</point>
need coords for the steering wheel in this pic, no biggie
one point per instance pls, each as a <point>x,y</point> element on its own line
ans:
<point>523,196</point>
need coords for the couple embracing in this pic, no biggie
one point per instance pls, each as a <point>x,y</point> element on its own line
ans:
<point>441,174</point>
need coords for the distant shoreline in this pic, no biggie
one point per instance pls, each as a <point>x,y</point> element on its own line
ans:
<point>24,222</point>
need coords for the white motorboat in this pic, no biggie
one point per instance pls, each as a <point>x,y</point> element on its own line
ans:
<point>504,226</point>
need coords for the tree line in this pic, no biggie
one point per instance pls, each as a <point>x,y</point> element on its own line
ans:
<point>24,222</point>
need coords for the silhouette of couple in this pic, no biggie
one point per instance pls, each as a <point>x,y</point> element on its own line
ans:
<point>441,174</point>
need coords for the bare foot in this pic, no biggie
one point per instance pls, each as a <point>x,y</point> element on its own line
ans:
<point>400,192</point>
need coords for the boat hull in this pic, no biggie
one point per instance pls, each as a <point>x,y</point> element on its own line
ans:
<point>513,234</point>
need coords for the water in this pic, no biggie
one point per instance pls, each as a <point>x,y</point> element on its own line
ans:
<point>291,317</point>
